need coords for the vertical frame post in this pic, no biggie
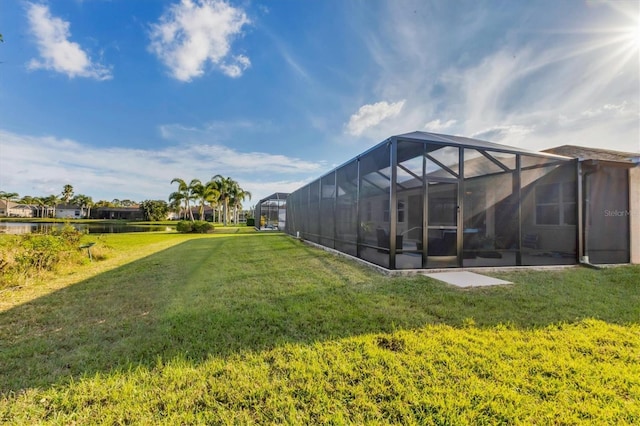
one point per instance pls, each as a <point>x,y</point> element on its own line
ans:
<point>517,186</point>
<point>393,201</point>
<point>425,208</point>
<point>358,218</point>
<point>460,209</point>
<point>579,212</point>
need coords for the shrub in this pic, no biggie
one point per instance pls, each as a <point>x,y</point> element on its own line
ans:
<point>202,227</point>
<point>196,227</point>
<point>40,252</point>
<point>184,226</point>
<point>69,234</point>
<point>251,222</point>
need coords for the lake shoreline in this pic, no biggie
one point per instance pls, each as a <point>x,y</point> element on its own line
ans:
<point>90,226</point>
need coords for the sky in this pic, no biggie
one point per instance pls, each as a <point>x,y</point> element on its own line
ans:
<point>118,97</point>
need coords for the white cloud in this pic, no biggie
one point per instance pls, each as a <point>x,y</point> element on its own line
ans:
<point>500,133</point>
<point>437,125</point>
<point>56,51</point>
<point>193,33</point>
<point>41,165</point>
<point>371,115</point>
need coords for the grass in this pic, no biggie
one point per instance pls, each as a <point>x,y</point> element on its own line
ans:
<point>241,327</point>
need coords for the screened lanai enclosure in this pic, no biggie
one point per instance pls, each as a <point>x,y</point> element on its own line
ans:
<point>271,212</point>
<point>424,200</point>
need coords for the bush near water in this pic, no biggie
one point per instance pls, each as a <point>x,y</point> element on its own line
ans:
<point>23,257</point>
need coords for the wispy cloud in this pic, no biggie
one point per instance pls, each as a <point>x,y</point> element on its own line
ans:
<point>438,126</point>
<point>57,52</point>
<point>500,133</point>
<point>194,33</point>
<point>215,131</point>
<point>371,115</point>
<point>521,86</point>
<point>26,167</point>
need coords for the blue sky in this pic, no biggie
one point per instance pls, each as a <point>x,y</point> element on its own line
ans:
<point>119,97</point>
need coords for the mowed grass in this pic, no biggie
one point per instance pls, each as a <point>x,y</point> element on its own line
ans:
<point>241,327</point>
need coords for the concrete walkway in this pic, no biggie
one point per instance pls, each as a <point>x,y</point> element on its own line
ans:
<point>466,279</point>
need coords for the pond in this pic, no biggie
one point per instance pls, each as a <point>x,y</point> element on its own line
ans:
<point>89,228</point>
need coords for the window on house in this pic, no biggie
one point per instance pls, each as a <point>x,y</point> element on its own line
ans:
<point>556,204</point>
<point>368,211</point>
<point>400,211</point>
<point>385,210</point>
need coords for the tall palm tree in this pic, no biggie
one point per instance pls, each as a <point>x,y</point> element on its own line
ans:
<point>67,193</point>
<point>8,196</point>
<point>186,191</point>
<point>205,193</point>
<point>237,198</point>
<point>226,186</point>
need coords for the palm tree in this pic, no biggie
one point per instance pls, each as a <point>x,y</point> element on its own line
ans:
<point>85,202</point>
<point>39,201</point>
<point>175,203</point>
<point>205,193</point>
<point>50,202</point>
<point>237,198</point>
<point>226,187</point>
<point>187,195</point>
<point>67,193</point>
<point>8,196</point>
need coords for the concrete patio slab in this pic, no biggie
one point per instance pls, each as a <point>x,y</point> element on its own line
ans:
<point>466,279</point>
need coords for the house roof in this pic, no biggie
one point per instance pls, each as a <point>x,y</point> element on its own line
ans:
<point>585,153</point>
<point>14,205</point>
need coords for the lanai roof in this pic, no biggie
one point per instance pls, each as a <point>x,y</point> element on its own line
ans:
<point>468,142</point>
<point>276,196</point>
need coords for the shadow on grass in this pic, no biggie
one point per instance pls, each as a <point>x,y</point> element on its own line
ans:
<point>218,296</point>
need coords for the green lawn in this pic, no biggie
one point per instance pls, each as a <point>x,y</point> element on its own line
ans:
<point>241,327</point>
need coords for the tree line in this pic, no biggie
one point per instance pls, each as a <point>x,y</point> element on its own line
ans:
<point>223,194</point>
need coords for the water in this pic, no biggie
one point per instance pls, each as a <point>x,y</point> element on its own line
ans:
<point>90,228</point>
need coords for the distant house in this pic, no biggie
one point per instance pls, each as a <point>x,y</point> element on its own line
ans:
<point>120,213</point>
<point>11,209</point>
<point>208,211</point>
<point>69,211</point>
<point>173,216</point>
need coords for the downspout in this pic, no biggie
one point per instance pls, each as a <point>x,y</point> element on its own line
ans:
<point>584,259</point>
